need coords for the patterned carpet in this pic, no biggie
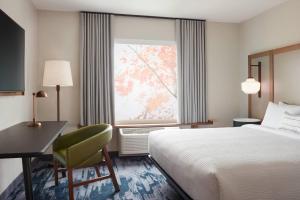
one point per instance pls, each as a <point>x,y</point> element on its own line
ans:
<point>138,177</point>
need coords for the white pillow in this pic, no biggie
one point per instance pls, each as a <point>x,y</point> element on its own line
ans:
<point>273,116</point>
<point>292,109</point>
<point>290,122</point>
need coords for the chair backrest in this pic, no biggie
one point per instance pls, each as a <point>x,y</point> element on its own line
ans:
<point>97,130</point>
<point>92,139</point>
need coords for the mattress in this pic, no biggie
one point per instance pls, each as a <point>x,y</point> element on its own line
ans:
<point>244,163</point>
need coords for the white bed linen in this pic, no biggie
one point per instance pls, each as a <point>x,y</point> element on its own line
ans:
<point>244,163</point>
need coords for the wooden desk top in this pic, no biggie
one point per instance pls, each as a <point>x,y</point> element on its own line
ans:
<point>22,141</point>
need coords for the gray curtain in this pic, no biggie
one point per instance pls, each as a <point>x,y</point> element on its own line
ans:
<point>190,36</point>
<point>96,73</point>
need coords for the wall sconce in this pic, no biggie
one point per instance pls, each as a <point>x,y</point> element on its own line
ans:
<point>251,86</point>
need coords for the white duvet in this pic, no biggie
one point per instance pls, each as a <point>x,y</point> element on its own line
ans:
<point>245,163</point>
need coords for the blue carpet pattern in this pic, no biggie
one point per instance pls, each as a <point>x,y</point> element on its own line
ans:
<point>138,178</point>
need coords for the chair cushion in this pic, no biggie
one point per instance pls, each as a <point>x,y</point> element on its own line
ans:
<point>91,160</point>
<point>82,147</point>
<point>61,155</point>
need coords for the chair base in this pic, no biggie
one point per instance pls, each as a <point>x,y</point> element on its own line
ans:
<point>71,185</point>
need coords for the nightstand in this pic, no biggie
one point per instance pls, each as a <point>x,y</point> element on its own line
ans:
<point>242,121</point>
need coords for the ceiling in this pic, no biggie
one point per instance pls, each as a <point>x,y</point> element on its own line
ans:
<point>211,10</point>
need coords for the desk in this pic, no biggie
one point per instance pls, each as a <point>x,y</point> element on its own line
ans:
<point>21,141</point>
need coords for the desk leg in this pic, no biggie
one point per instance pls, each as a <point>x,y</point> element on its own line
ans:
<point>27,178</point>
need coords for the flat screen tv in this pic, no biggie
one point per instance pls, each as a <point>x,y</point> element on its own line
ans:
<point>12,49</point>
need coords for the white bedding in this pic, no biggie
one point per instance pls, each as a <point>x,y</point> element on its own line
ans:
<point>245,163</point>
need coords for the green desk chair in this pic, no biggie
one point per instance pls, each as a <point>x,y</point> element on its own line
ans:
<point>85,147</point>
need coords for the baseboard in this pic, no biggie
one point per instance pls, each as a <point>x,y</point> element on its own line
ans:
<point>133,155</point>
<point>113,153</point>
<point>18,181</point>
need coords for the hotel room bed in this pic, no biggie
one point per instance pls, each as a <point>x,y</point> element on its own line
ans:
<point>249,162</point>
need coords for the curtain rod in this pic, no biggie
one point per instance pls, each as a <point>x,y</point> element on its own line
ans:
<point>146,16</point>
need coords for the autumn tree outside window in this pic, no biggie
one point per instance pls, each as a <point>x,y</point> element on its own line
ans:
<point>145,79</point>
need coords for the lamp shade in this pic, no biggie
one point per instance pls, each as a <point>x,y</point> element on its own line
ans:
<point>57,72</point>
<point>250,86</point>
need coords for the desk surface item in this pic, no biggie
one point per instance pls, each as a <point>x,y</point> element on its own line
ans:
<point>22,141</point>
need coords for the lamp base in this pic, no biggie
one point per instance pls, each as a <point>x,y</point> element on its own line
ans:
<point>34,124</point>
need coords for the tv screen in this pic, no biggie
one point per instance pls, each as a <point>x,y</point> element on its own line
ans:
<point>12,48</point>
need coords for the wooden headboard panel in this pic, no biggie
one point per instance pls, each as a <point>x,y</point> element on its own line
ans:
<point>280,78</point>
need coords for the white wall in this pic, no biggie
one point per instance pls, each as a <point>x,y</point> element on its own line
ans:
<point>275,28</point>
<point>15,109</point>
<point>286,76</point>
<point>58,39</point>
<point>143,28</point>
<point>228,46</point>
<point>59,36</point>
<point>222,49</point>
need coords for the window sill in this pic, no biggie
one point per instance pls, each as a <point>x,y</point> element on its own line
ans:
<point>193,125</point>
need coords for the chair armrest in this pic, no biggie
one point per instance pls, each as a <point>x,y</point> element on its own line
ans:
<point>79,152</point>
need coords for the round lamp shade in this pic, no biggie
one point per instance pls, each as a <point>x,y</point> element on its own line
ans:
<point>250,86</point>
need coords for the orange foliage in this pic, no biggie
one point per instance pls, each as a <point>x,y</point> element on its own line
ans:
<point>124,86</point>
<point>148,66</point>
<point>156,102</point>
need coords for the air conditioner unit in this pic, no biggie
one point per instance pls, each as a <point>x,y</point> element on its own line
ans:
<point>133,144</point>
<point>134,141</point>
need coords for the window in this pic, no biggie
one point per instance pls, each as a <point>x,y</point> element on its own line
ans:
<point>145,82</point>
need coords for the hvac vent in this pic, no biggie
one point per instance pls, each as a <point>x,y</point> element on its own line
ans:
<point>134,141</point>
